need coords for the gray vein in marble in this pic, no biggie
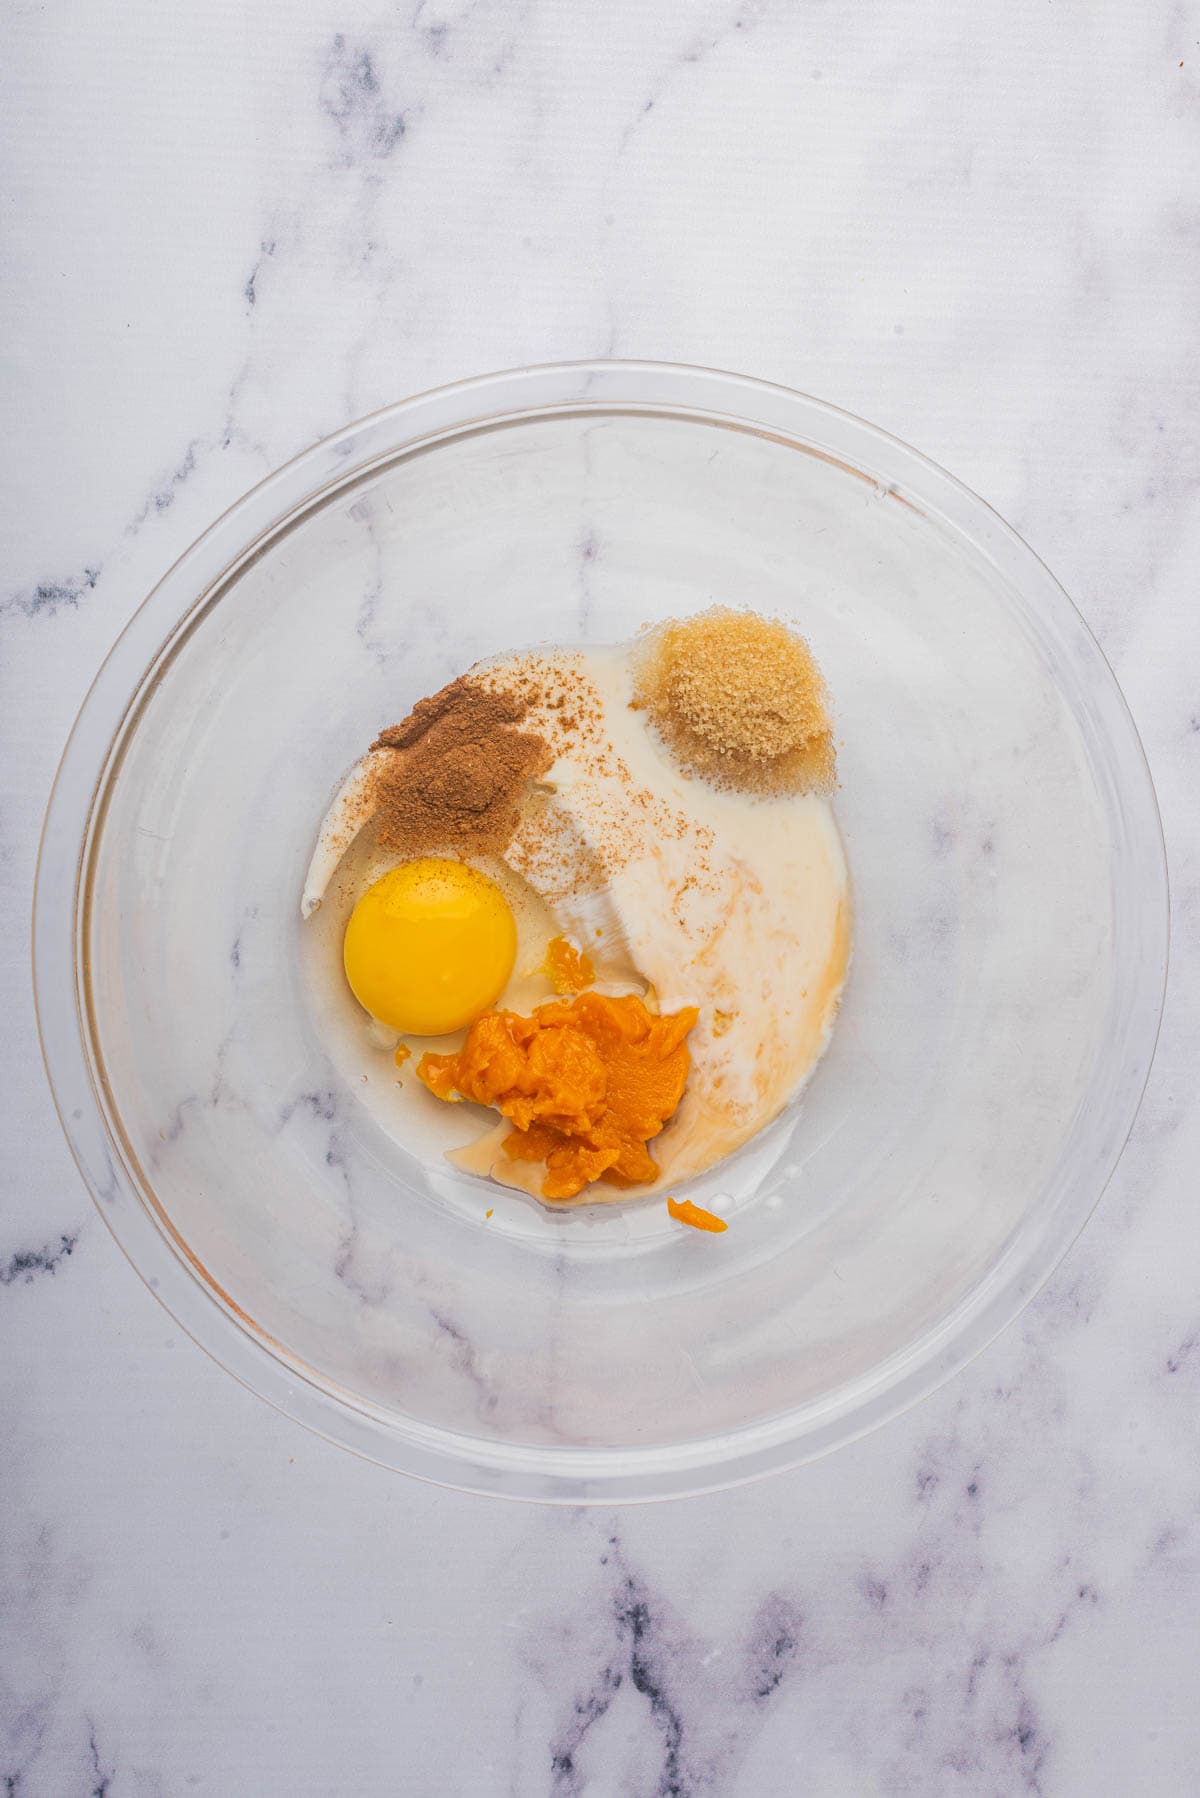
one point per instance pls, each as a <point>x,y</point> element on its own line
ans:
<point>373,592</point>
<point>481,57</point>
<point>102,1777</point>
<point>638,1655</point>
<point>267,249</point>
<point>48,597</point>
<point>250,915</point>
<point>773,1644</point>
<point>220,1091</point>
<point>25,1729</point>
<point>670,1686</point>
<point>697,50</point>
<point>163,497</point>
<point>464,1358</point>
<point>27,1265</point>
<point>351,96</point>
<point>45,1583</point>
<point>325,1107</point>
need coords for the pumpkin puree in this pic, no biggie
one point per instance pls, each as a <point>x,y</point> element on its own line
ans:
<point>570,969</point>
<point>586,1083</point>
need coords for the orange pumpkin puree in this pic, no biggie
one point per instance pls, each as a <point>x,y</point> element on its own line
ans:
<point>586,1083</point>
<point>570,969</point>
<point>685,1212</point>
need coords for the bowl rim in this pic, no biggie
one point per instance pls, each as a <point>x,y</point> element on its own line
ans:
<point>108,716</point>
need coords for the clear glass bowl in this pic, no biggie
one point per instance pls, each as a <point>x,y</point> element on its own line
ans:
<point>998,1026</point>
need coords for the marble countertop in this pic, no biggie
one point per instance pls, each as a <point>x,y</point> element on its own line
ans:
<point>233,228</point>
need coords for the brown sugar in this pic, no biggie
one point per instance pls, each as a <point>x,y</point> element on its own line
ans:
<point>458,771</point>
<point>740,700</point>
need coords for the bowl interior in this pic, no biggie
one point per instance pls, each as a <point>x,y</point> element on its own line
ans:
<point>982,1050</point>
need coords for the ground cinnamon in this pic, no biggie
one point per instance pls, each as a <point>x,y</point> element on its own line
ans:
<point>457,772</point>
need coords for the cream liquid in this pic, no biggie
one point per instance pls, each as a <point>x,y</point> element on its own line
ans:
<point>735,904</point>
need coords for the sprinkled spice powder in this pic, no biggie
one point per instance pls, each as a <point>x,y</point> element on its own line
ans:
<point>458,772</point>
<point>740,700</point>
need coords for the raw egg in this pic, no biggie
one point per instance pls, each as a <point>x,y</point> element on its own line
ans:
<point>429,946</point>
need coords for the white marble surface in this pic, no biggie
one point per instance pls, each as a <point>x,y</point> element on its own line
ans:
<point>229,230</point>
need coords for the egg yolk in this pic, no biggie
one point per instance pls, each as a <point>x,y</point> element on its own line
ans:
<point>429,946</point>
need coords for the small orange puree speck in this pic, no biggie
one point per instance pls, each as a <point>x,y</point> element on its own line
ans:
<point>686,1213</point>
<point>570,969</point>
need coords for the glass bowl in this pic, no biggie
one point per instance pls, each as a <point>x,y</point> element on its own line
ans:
<point>998,1025</point>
